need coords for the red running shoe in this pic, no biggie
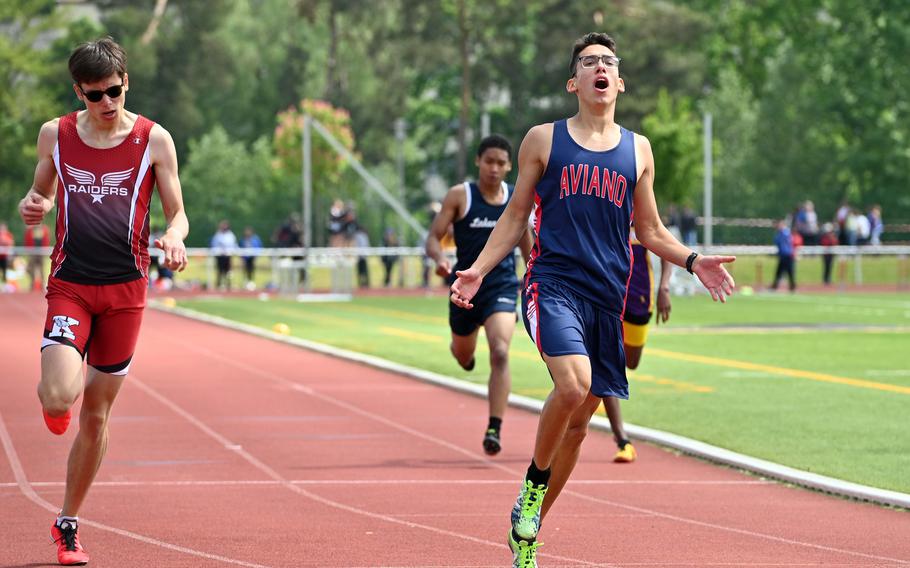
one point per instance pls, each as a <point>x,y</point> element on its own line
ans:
<point>57,424</point>
<point>69,551</point>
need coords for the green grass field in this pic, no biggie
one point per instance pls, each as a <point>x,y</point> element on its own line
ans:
<point>751,270</point>
<point>816,382</point>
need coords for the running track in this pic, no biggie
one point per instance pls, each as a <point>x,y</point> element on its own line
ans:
<point>232,450</point>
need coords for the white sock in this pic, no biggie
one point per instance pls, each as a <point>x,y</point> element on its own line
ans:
<point>74,521</point>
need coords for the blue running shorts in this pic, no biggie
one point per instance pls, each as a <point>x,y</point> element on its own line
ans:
<point>562,323</point>
<point>487,302</point>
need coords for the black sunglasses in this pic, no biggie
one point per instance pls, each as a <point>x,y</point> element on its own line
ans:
<point>96,96</point>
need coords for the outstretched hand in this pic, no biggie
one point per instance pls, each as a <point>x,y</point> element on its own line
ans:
<point>465,287</point>
<point>710,270</point>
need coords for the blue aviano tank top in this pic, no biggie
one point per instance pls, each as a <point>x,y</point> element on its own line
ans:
<point>473,230</point>
<point>582,219</point>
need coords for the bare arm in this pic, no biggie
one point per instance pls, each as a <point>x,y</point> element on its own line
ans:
<point>164,159</point>
<point>513,224</point>
<point>656,238</point>
<point>40,197</point>
<point>452,206</point>
<point>663,292</point>
<point>526,244</point>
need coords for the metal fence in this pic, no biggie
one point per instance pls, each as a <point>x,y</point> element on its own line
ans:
<point>340,270</point>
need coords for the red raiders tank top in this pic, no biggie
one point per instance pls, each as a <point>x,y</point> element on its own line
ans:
<point>102,206</point>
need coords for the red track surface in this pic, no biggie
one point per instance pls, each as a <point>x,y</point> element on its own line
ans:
<point>228,449</point>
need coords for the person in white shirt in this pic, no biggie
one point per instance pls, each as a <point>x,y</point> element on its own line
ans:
<point>223,244</point>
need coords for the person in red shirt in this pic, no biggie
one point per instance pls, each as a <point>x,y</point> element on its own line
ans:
<point>828,239</point>
<point>101,165</point>
<point>6,240</point>
<point>36,236</point>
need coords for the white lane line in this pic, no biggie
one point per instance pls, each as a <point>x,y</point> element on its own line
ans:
<point>473,455</point>
<point>895,303</point>
<point>29,492</point>
<point>888,373</point>
<point>273,474</point>
<point>369,482</point>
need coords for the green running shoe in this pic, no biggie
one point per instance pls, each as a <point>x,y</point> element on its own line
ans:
<point>524,553</point>
<point>526,512</point>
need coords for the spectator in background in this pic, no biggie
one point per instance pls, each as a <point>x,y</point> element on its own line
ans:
<point>863,229</point>
<point>251,241</point>
<point>876,225</point>
<point>36,236</point>
<point>389,239</point>
<point>338,219</point>
<point>350,225</point>
<point>223,244</point>
<point>6,240</point>
<point>851,226</point>
<point>687,227</point>
<point>164,279</point>
<point>785,257</point>
<point>828,239</point>
<point>288,234</point>
<point>841,218</point>
<point>362,241</point>
<point>807,223</point>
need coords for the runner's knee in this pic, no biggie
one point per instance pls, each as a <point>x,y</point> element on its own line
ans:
<point>575,435</point>
<point>93,423</point>
<point>570,394</point>
<point>55,399</point>
<point>462,351</point>
<point>499,355</point>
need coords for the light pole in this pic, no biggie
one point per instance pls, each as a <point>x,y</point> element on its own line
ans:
<point>400,134</point>
<point>709,184</point>
<point>307,197</point>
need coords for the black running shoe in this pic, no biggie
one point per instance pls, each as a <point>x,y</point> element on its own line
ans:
<point>491,443</point>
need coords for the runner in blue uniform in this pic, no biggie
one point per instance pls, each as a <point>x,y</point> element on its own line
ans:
<point>473,209</point>
<point>586,175</point>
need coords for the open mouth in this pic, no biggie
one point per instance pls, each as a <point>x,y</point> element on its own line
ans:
<point>601,84</point>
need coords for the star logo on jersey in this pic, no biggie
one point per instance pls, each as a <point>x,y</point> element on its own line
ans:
<point>86,183</point>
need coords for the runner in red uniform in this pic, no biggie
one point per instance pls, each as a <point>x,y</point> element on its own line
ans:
<point>101,165</point>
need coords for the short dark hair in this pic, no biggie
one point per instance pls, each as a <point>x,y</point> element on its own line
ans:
<point>96,60</point>
<point>593,38</point>
<point>494,141</point>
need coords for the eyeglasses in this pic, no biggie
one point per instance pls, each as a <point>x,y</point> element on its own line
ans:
<point>96,96</point>
<point>590,61</point>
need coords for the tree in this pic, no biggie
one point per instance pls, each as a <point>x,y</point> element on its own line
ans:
<point>27,98</point>
<point>829,90</point>
<point>674,131</point>
<point>225,180</point>
<point>329,167</point>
